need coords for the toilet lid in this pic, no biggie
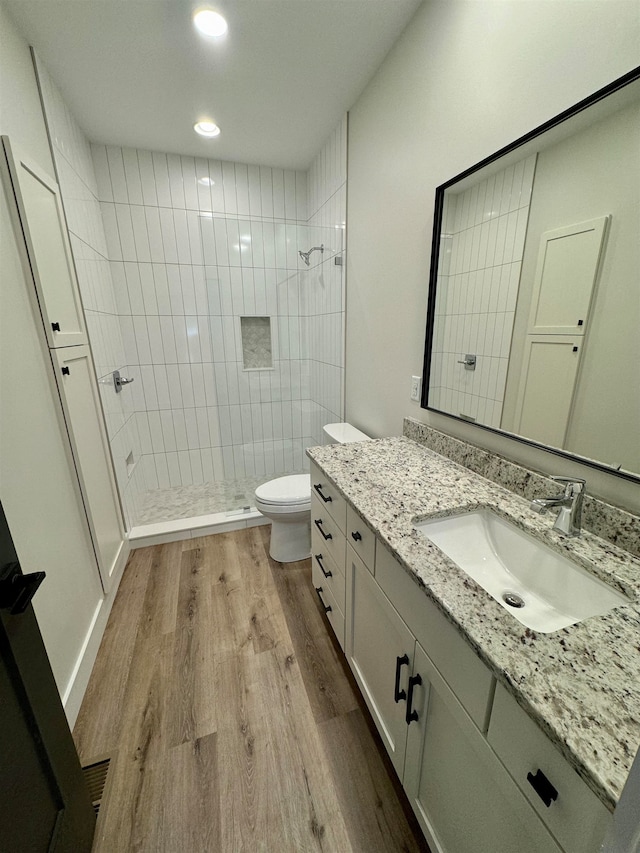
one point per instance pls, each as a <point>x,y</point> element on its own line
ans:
<point>294,489</point>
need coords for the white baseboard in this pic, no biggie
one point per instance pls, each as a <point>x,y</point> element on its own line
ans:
<point>74,694</point>
<point>118,566</point>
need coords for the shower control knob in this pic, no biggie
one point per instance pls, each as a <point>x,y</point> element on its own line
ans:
<point>119,381</point>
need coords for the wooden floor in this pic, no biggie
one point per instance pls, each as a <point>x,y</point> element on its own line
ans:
<point>230,718</point>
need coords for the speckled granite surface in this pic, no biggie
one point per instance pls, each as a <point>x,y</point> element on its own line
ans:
<point>609,522</point>
<point>581,684</point>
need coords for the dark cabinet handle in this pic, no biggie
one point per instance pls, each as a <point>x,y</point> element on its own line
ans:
<point>322,569</point>
<point>356,536</point>
<point>326,607</point>
<point>543,787</point>
<point>326,498</point>
<point>55,327</point>
<point>397,693</point>
<point>318,524</point>
<point>411,715</point>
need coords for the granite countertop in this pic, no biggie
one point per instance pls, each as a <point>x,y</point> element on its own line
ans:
<point>580,684</point>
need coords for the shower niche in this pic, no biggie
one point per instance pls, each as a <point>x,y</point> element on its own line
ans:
<point>257,350</point>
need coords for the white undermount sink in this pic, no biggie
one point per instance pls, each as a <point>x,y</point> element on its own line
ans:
<point>540,587</point>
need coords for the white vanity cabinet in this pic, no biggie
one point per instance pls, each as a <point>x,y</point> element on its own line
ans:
<point>462,796</point>
<point>464,799</point>
<point>461,746</point>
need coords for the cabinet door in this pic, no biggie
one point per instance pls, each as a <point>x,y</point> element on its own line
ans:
<point>41,217</point>
<point>547,384</point>
<point>464,799</point>
<point>81,405</point>
<point>378,645</point>
<point>566,273</point>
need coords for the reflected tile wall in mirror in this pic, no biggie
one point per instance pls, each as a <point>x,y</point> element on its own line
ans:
<point>481,251</point>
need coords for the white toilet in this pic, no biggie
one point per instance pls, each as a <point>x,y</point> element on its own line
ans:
<point>287,502</point>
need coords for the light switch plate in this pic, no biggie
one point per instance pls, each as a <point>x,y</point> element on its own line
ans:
<point>415,388</point>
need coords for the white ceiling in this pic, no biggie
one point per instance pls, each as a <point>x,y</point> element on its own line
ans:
<point>136,73</point>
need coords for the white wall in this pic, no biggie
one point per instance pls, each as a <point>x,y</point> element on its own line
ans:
<point>20,112</point>
<point>462,81</point>
<point>38,485</point>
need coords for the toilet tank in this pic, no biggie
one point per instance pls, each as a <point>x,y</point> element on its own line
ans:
<point>343,434</point>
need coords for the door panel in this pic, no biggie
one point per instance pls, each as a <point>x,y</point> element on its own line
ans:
<point>41,215</point>
<point>31,784</point>
<point>566,273</point>
<point>81,404</point>
<point>549,372</point>
<point>45,803</point>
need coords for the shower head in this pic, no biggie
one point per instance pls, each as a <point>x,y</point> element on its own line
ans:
<point>305,255</point>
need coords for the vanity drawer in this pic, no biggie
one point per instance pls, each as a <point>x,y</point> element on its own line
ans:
<point>332,610</point>
<point>361,538</point>
<point>577,818</point>
<point>325,572</point>
<point>461,668</point>
<point>326,536</point>
<point>330,498</point>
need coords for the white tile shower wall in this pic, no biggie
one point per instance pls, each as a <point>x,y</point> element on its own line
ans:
<point>479,274</point>
<point>194,245</point>
<point>323,293</point>
<point>78,187</point>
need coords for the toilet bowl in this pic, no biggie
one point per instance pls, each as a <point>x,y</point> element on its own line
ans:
<point>286,501</point>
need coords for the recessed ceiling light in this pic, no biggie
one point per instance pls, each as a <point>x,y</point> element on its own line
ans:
<point>207,128</point>
<point>210,23</point>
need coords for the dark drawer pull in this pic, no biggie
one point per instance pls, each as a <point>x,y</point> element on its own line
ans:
<point>327,607</point>
<point>322,569</point>
<point>412,715</point>
<point>356,536</point>
<point>397,693</point>
<point>326,498</point>
<point>543,787</point>
<point>318,524</point>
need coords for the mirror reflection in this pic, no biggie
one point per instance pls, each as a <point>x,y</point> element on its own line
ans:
<point>536,320</point>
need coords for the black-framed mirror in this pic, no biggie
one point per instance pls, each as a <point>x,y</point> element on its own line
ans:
<point>533,318</point>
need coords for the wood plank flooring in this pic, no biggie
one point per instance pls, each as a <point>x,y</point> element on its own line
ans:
<point>229,714</point>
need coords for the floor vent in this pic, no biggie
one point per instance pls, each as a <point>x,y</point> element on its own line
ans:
<point>95,776</point>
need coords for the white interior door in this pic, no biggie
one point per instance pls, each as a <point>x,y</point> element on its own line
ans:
<point>41,216</point>
<point>81,404</point>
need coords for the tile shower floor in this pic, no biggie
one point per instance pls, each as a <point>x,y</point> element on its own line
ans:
<point>203,499</point>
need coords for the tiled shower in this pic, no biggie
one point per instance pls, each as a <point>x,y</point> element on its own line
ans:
<point>193,287</point>
<point>481,248</point>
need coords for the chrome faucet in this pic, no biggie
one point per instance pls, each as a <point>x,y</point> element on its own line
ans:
<point>569,504</point>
